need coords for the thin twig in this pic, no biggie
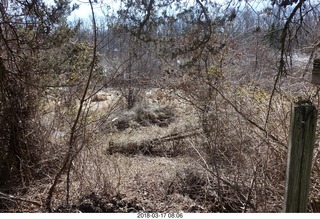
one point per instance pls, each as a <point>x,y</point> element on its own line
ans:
<point>15,198</point>
<point>71,152</point>
<point>253,180</point>
<point>207,168</point>
<point>248,119</point>
<point>282,64</point>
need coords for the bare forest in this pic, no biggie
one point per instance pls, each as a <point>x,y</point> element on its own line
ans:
<point>154,106</point>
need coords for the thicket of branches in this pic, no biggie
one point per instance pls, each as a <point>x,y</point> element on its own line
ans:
<point>28,31</point>
<point>211,56</point>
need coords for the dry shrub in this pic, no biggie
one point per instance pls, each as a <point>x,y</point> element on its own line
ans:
<point>161,116</point>
<point>246,158</point>
<point>192,182</point>
<point>23,138</point>
<point>145,115</point>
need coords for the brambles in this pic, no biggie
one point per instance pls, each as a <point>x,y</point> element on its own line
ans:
<point>179,111</point>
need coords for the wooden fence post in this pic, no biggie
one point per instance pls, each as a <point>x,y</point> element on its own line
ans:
<point>316,72</point>
<point>301,142</point>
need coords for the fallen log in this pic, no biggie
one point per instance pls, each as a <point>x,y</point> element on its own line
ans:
<point>149,147</point>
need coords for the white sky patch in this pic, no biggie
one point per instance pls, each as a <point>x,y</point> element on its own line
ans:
<point>84,10</point>
<point>107,7</point>
<point>103,7</point>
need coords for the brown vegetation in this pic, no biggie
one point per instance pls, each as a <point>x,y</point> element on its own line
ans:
<point>187,112</point>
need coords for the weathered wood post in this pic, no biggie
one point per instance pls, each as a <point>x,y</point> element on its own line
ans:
<point>316,72</point>
<point>301,142</point>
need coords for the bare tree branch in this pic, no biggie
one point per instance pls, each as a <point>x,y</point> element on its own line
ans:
<point>16,198</point>
<point>72,151</point>
<point>282,69</point>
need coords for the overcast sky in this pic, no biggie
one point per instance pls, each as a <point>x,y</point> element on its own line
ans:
<point>84,11</point>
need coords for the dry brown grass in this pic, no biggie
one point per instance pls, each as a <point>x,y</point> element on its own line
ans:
<point>231,166</point>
